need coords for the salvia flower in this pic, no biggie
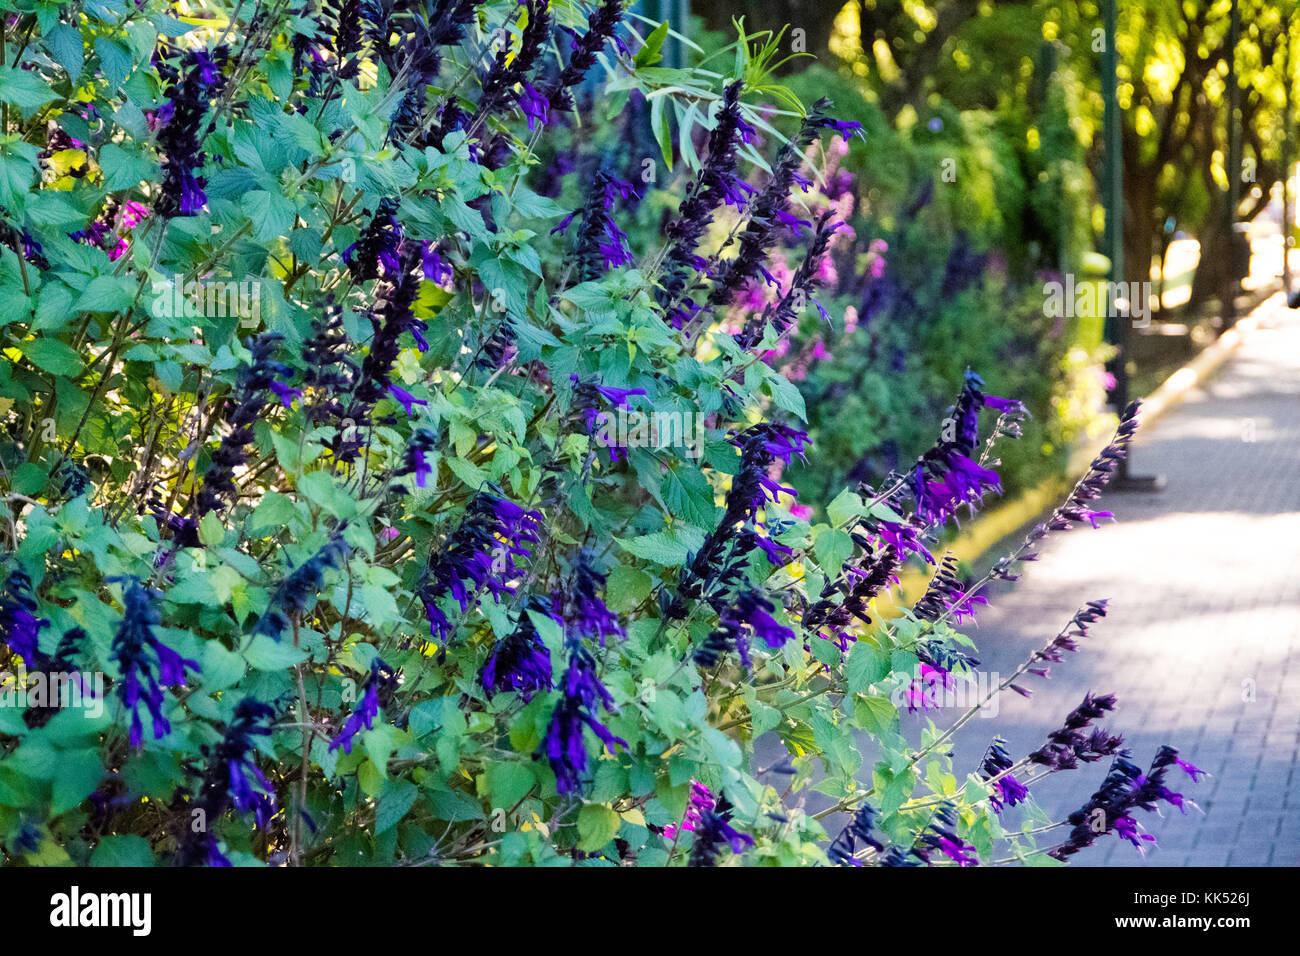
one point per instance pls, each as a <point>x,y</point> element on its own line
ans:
<point>699,800</point>
<point>297,592</point>
<point>600,244</point>
<point>715,831</point>
<point>585,613</point>
<point>253,381</point>
<point>582,695</point>
<point>521,661</point>
<point>231,780</point>
<point>601,24</point>
<point>1110,810</point>
<point>483,552</point>
<point>180,136</point>
<point>510,69</point>
<point>1077,507</point>
<point>145,663</point>
<point>375,252</point>
<point>1068,744</point>
<point>782,314</point>
<point>20,628</point>
<point>388,320</point>
<point>716,184</point>
<point>378,690</point>
<point>760,232</point>
<point>947,596</point>
<point>861,827</point>
<point>415,460</point>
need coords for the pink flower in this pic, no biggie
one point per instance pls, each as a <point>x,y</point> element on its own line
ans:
<point>802,512</point>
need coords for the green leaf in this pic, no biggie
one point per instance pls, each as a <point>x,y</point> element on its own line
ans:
<point>395,801</point>
<point>77,774</point>
<point>68,49</point>
<point>211,530</point>
<point>846,506</point>
<point>124,849</point>
<point>52,356</point>
<point>626,588</point>
<point>270,213</point>
<point>866,665</point>
<point>267,654</point>
<point>124,169</point>
<point>105,294</point>
<point>874,714</point>
<point>832,546</point>
<point>24,88</point>
<point>115,59</point>
<point>659,547</point>
<point>508,783</point>
<point>597,825</point>
<point>649,54</point>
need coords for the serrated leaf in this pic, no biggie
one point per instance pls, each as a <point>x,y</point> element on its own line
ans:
<point>52,356</point>
<point>267,654</point>
<point>24,88</point>
<point>270,213</point>
<point>77,774</point>
<point>597,825</point>
<point>395,801</point>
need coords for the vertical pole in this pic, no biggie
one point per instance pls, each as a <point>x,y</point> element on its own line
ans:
<point>1288,132</point>
<point>1112,188</point>
<point>1232,200</point>
<point>1118,323</point>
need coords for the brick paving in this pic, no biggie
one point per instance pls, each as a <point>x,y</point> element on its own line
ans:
<point>1202,643</point>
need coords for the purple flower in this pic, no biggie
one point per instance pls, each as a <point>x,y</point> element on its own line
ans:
<point>1008,791</point>
<point>435,267</point>
<point>379,688</point>
<point>298,591</point>
<point>250,791</point>
<point>407,400</point>
<point>1125,789</point>
<point>564,746</point>
<point>601,24</point>
<point>284,393</point>
<point>521,662</point>
<point>584,611</point>
<point>845,128</point>
<point>415,460</point>
<point>20,628</point>
<point>483,552</point>
<point>146,665</point>
<point>534,106</point>
<point>218,490</point>
<point>180,121</point>
<point>376,251</point>
<point>699,800</point>
<point>600,244</point>
<point>748,615</point>
<point>231,780</point>
<point>861,827</point>
<point>714,831</point>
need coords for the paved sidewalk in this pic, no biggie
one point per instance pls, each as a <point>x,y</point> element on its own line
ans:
<point>1202,644</point>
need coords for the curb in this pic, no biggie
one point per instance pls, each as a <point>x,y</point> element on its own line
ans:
<point>1010,516</point>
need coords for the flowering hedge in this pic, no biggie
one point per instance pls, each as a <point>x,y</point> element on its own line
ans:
<point>366,505</point>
